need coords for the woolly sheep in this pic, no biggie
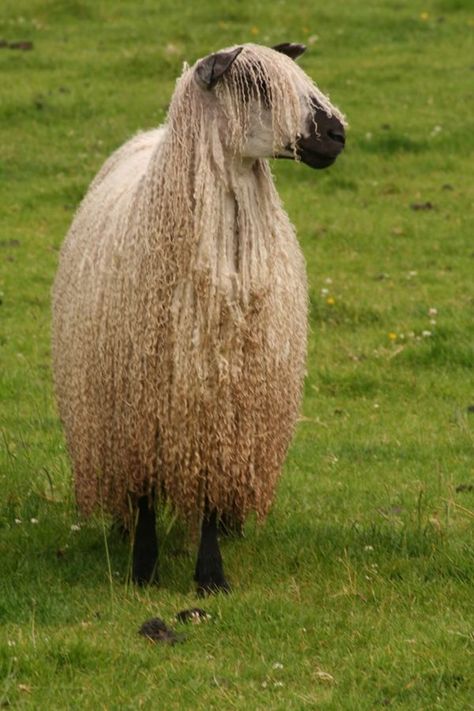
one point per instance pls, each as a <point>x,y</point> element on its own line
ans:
<point>180,305</point>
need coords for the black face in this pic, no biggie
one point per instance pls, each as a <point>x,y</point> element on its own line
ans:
<point>320,148</point>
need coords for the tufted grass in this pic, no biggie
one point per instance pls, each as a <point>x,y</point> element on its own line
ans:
<point>358,591</point>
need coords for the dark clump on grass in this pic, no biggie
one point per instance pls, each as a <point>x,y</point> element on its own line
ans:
<point>195,615</point>
<point>22,45</point>
<point>155,630</point>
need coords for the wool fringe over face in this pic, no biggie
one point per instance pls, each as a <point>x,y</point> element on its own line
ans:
<point>180,304</point>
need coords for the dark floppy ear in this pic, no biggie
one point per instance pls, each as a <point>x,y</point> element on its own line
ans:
<point>290,49</point>
<point>212,68</point>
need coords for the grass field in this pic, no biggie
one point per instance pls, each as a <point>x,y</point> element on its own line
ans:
<point>357,593</point>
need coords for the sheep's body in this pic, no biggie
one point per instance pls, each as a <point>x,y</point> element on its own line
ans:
<point>203,405</point>
<point>180,303</point>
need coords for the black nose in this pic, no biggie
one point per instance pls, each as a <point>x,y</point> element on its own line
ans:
<point>337,136</point>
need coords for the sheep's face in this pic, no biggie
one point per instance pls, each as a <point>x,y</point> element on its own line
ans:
<point>318,142</point>
<point>281,112</point>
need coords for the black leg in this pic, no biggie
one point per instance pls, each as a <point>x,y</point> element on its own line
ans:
<point>145,546</point>
<point>209,574</point>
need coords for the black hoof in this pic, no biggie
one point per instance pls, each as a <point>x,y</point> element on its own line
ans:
<point>213,588</point>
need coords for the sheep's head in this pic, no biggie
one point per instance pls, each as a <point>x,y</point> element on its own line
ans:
<point>266,106</point>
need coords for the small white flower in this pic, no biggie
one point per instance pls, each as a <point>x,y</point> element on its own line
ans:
<point>426,334</point>
<point>433,321</point>
<point>368,548</point>
<point>18,521</point>
<point>11,643</point>
<point>328,280</point>
<point>278,665</point>
<point>432,311</point>
<point>34,520</point>
<point>324,292</point>
<point>368,135</point>
<point>278,684</point>
<point>75,527</point>
<point>264,684</point>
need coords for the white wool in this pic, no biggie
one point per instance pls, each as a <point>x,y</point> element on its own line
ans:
<point>180,303</point>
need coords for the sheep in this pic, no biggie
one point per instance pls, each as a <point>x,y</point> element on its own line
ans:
<point>180,305</point>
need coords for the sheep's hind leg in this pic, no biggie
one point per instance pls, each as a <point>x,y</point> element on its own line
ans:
<point>145,545</point>
<point>209,573</point>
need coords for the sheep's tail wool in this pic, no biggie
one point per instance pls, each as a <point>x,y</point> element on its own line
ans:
<point>180,308</point>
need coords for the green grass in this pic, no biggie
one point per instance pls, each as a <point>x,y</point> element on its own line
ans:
<point>357,592</point>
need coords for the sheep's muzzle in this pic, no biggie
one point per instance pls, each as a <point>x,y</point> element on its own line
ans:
<point>323,143</point>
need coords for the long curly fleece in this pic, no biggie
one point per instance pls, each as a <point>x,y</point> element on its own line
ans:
<point>180,304</point>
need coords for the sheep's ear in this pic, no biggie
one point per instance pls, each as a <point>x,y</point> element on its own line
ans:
<point>212,68</point>
<point>291,50</point>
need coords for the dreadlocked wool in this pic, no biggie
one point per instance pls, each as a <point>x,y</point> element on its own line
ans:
<point>180,304</point>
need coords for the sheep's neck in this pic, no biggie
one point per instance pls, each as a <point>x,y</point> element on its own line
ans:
<point>222,232</point>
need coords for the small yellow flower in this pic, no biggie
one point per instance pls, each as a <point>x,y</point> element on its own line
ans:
<point>392,336</point>
<point>254,30</point>
<point>330,301</point>
<point>424,16</point>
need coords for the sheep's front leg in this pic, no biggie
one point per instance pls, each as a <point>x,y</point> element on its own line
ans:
<point>145,545</point>
<point>209,573</point>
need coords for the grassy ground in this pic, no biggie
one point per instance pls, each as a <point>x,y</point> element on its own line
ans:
<point>357,593</point>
